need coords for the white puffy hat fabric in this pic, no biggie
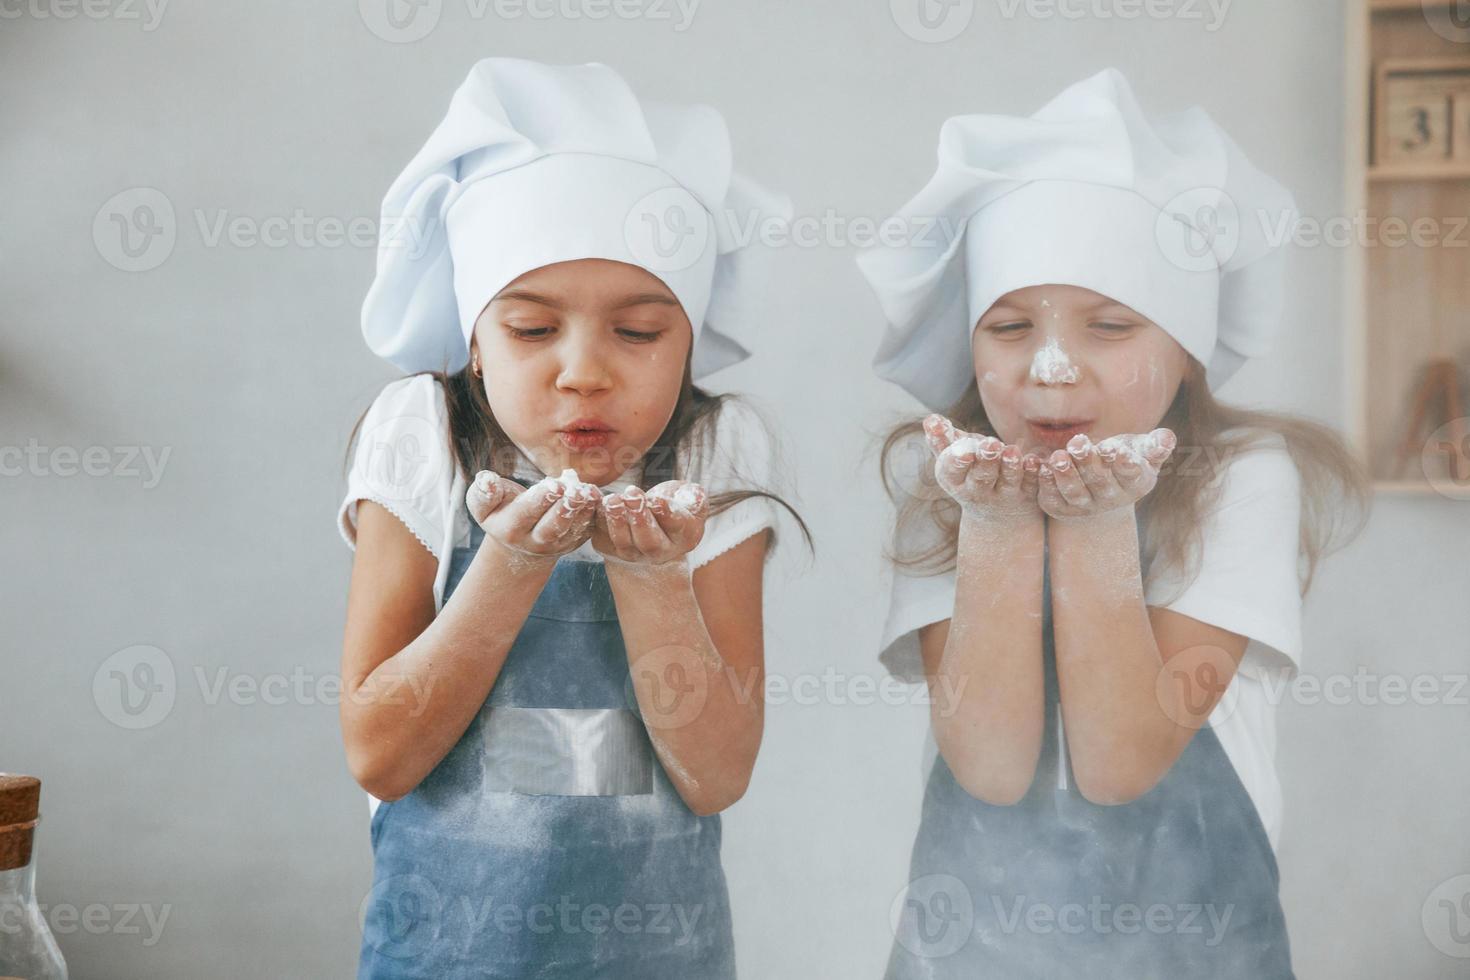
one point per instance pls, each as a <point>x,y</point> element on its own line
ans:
<point>536,164</point>
<point>1166,216</point>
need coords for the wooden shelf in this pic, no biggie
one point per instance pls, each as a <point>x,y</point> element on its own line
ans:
<point>1406,6</point>
<point>1404,308</point>
<point>1419,172</point>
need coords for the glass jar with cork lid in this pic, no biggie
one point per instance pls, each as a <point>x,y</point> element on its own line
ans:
<point>27,948</point>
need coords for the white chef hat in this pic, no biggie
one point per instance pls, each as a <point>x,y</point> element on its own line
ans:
<point>1166,216</point>
<point>536,164</point>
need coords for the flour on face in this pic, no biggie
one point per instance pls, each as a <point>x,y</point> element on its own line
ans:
<point>1052,366</point>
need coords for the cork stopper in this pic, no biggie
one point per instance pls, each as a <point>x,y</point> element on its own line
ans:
<point>20,806</point>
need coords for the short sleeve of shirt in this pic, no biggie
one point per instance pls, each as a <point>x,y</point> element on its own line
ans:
<point>402,461</point>
<point>1248,577</point>
<point>740,455</point>
<point>914,599</point>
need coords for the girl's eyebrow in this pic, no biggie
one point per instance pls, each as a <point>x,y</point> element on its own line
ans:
<point>641,299</point>
<point>526,296</point>
<point>1112,306</point>
<point>636,299</point>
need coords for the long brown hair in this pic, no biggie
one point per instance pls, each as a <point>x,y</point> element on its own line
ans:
<point>1335,494</point>
<point>477,441</point>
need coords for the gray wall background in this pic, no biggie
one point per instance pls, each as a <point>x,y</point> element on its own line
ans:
<point>235,817</point>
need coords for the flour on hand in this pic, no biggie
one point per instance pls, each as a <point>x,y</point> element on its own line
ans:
<point>686,499</point>
<point>1137,446</point>
<point>572,485</point>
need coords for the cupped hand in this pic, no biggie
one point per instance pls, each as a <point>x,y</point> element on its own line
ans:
<point>542,521</point>
<point>983,474</point>
<point>653,528</point>
<point>1085,480</point>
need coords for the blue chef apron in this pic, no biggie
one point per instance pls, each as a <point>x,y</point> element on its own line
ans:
<point>1179,884</point>
<point>549,842</point>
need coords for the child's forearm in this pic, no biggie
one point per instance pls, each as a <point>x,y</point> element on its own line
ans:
<point>988,695</point>
<point>403,718</point>
<point>705,725</point>
<point>1108,660</point>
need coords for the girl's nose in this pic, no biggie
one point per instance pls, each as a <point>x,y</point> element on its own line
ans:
<point>584,370</point>
<point>1050,365</point>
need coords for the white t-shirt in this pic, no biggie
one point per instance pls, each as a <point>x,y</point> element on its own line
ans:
<point>402,461</point>
<point>1247,583</point>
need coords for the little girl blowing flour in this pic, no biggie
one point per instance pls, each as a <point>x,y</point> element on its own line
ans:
<point>1097,563</point>
<point>556,565</point>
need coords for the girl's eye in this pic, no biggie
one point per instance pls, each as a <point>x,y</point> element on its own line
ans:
<point>1114,328</point>
<point>527,333</point>
<point>640,336</point>
<point>1007,328</point>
